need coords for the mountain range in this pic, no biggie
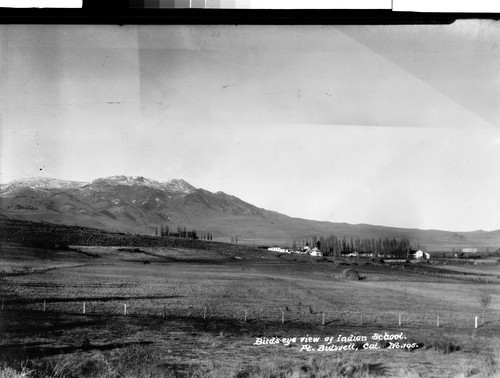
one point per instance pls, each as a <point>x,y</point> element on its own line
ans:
<point>141,205</point>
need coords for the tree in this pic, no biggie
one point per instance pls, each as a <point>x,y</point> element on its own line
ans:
<point>484,301</point>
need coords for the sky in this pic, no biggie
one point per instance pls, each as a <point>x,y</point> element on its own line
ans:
<point>388,125</point>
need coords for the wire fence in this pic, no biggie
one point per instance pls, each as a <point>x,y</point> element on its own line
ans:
<point>297,315</point>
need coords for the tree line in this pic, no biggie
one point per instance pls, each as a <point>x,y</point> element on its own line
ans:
<point>182,233</point>
<point>339,246</point>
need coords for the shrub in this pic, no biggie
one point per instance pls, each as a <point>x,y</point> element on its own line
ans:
<point>484,302</point>
<point>443,343</point>
<point>350,274</point>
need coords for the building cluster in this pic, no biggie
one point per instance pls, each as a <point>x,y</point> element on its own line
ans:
<point>317,253</point>
<point>303,251</point>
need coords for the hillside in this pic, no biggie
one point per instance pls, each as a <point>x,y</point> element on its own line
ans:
<point>139,205</point>
<point>51,236</point>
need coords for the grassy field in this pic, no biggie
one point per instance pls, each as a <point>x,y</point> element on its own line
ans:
<point>485,270</point>
<point>186,311</point>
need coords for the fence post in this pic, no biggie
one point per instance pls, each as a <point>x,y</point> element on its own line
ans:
<point>282,317</point>
<point>246,313</point>
<point>475,323</point>
<point>2,304</point>
<point>323,322</point>
<point>125,309</point>
<point>84,307</point>
<point>164,313</point>
<point>361,319</point>
<point>44,305</point>
<point>400,319</point>
<point>204,312</point>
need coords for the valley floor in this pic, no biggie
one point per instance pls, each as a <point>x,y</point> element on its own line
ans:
<point>178,312</point>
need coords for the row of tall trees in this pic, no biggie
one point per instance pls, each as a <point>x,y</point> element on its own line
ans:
<point>181,232</point>
<point>206,236</point>
<point>338,246</point>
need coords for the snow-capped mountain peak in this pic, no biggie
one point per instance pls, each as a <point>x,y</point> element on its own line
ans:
<point>125,180</point>
<point>179,185</point>
<point>39,183</point>
<point>45,182</point>
<point>105,183</point>
<point>175,185</point>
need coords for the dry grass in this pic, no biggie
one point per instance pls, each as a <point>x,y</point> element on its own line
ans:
<point>134,361</point>
<point>472,269</point>
<point>221,345</point>
<point>144,362</point>
<point>153,361</point>
<point>341,366</point>
<point>10,372</point>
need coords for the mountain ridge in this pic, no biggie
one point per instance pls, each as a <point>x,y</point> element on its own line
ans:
<point>140,205</point>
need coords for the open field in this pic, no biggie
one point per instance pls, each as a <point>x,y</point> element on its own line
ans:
<point>186,313</point>
<point>485,270</point>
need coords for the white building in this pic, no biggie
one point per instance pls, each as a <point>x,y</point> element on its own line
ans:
<point>279,249</point>
<point>315,252</point>
<point>422,255</point>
